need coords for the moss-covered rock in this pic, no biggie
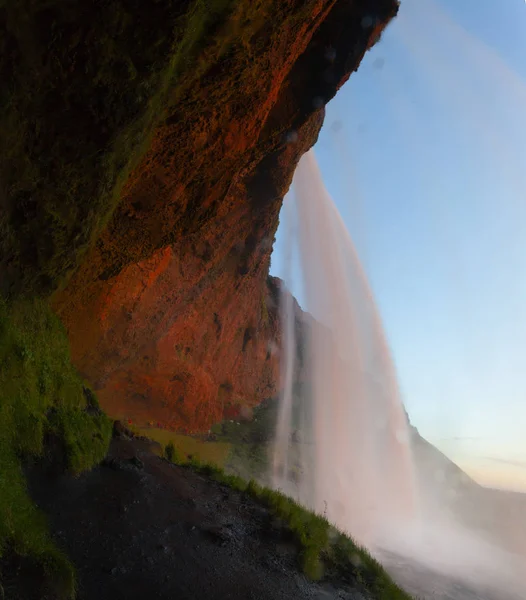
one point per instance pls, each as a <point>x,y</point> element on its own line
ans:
<point>41,396</point>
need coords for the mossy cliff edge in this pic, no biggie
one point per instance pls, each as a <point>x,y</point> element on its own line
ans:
<point>144,155</point>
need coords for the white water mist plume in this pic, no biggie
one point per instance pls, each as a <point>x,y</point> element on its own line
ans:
<point>344,446</point>
<point>352,459</point>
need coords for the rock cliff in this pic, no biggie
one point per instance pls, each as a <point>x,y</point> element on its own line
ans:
<point>171,315</point>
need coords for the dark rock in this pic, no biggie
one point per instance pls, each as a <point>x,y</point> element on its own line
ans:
<point>92,404</point>
<point>120,430</point>
<point>137,462</point>
<point>219,534</point>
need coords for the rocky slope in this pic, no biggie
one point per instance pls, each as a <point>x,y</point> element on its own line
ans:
<point>170,315</point>
<point>138,526</point>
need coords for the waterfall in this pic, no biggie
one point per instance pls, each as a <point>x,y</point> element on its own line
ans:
<point>342,445</point>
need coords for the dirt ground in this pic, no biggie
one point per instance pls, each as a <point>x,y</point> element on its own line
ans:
<point>140,527</point>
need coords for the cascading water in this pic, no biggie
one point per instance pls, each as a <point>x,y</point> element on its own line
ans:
<point>342,436</point>
<point>342,445</point>
<point>343,442</point>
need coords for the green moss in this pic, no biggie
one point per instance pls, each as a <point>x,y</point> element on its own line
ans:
<point>24,531</point>
<point>186,445</point>
<point>172,454</point>
<point>85,436</point>
<point>40,394</point>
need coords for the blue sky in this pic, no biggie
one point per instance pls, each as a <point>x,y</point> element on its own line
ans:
<point>423,151</point>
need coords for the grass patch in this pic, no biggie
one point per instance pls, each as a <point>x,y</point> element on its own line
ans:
<point>347,560</point>
<point>323,550</point>
<point>239,447</point>
<point>185,445</point>
<point>172,454</point>
<point>41,395</point>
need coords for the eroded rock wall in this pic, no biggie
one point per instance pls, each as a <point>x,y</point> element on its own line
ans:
<point>171,316</point>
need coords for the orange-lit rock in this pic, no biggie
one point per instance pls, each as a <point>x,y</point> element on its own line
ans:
<point>169,316</point>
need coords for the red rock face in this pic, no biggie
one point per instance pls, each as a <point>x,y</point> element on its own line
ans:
<point>169,316</point>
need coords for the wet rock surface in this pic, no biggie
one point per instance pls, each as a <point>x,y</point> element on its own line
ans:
<point>140,527</point>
